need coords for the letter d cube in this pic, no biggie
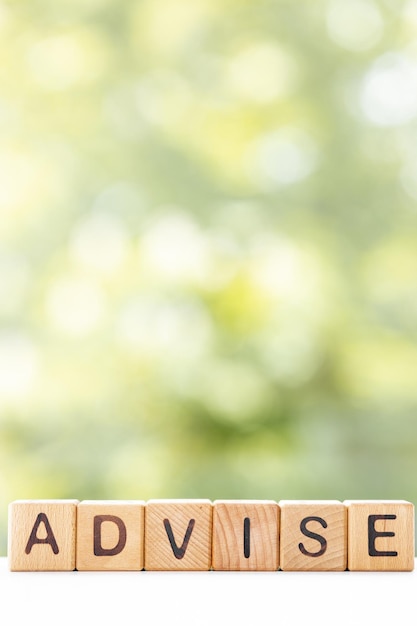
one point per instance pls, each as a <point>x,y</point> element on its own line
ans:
<point>110,535</point>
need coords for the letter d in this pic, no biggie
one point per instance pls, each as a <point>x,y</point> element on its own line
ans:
<point>98,548</point>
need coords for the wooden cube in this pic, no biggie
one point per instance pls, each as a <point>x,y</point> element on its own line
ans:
<point>42,535</point>
<point>178,534</point>
<point>245,535</point>
<point>110,535</point>
<point>313,535</point>
<point>380,535</point>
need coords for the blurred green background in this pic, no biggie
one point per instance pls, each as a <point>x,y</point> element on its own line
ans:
<point>208,249</point>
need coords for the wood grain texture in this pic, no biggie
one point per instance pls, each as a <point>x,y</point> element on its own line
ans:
<point>313,535</point>
<point>178,534</point>
<point>110,535</point>
<point>42,535</point>
<point>245,535</point>
<point>380,535</point>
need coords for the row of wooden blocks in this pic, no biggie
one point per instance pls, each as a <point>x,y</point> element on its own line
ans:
<point>290,535</point>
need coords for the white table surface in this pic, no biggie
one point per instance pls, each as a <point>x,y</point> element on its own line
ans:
<point>207,598</point>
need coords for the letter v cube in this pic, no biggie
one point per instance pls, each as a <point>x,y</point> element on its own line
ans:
<point>178,534</point>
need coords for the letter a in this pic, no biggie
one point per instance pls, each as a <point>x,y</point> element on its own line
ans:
<point>50,538</point>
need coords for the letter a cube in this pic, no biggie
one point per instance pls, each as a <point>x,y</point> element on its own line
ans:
<point>42,535</point>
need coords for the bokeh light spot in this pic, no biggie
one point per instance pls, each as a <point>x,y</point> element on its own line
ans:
<point>62,61</point>
<point>159,328</point>
<point>75,305</point>
<point>281,158</point>
<point>234,391</point>
<point>389,91</point>
<point>18,179</point>
<point>15,276</point>
<point>355,25</point>
<point>19,365</point>
<point>100,242</point>
<point>408,178</point>
<point>163,97</point>
<point>174,248</point>
<point>262,73</point>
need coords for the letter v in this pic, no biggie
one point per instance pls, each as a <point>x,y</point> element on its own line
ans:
<point>179,551</point>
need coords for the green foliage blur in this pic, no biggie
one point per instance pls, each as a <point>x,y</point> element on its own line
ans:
<point>208,249</point>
